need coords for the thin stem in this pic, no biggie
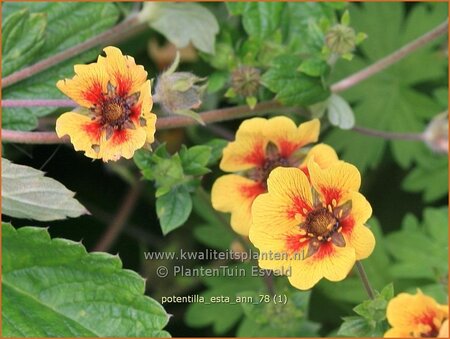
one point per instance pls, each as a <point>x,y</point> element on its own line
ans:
<point>389,135</point>
<point>38,103</point>
<point>390,59</point>
<point>364,279</point>
<point>119,221</point>
<point>21,137</point>
<point>108,35</point>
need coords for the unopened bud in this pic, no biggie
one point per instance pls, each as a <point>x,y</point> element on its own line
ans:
<point>341,39</point>
<point>245,81</point>
<point>179,92</point>
<point>436,133</point>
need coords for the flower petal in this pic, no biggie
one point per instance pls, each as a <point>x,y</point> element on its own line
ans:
<point>248,150</point>
<point>334,182</point>
<point>86,88</point>
<point>123,143</point>
<point>322,154</point>
<point>83,132</point>
<point>288,137</point>
<point>415,312</point>
<point>123,71</point>
<point>330,262</point>
<point>291,191</point>
<point>235,194</point>
<point>142,111</point>
<point>398,333</point>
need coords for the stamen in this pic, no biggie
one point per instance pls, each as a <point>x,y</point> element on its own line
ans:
<point>334,202</point>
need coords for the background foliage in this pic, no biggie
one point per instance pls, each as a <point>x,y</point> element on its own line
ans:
<point>406,182</point>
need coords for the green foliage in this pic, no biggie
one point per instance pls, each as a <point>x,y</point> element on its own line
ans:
<point>53,288</point>
<point>371,319</point>
<point>291,86</point>
<point>428,258</point>
<point>23,37</point>
<point>275,318</point>
<point>222,316</point>
<point>26,193</point>
<point>182,23</point>
<point>86,20</point>
<point>390,100</point>
<point>340,113</point>
<point>175,176</point>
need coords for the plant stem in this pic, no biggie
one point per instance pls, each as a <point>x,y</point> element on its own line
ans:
<point>389,135</point>
<point>21,137</point>
<point>110,34</point>
<point>390,59</point>
<point>38,103</point>
<point>120,219</point>
<point>364,279</point>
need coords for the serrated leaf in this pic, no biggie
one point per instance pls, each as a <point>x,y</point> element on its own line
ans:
<point>22,38</point>
<point>195,159</point>
<point>355,327</point>
<point>390,100</point>
<point>261,19</point>
<point>182,23</point>
<point>340,113</point>
<point>54,288</point>
<point>173,208</point>
<point>314,67</point>
<point>26,193</point>
<point>86,20</point>
<point>292,87</point>
<point>430,262</point>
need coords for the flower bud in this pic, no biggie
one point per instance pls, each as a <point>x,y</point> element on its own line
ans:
<point>341,39</point>
<point>436,133</point>
<point>245,81</point>
<point>179,92</point>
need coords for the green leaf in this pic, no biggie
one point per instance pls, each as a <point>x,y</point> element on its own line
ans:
<point>222,316</point>
<point>391,100</point>
<point>314,67</point>
<point>26,193</point>
<point>277,319</point>
<point>236,8</point>
<point>291,86</point>
<point>371,321</point>
<point>217,81</point>
<point>430,176</point>
<point>261,19</point>
<point>195,159</point>
<point>173,208</point>
<point>340,113</point>
<point>54,288</point>
<point>23,37</point>
<point>87,19</point>
<point>430,262</point>
<point>217,146</point>
<point>182,23</point>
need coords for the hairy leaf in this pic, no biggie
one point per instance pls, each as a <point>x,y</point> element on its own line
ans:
<point>26,193</point>
<point>54,288</point>
<point>173,208</point>
<point>182,23</point>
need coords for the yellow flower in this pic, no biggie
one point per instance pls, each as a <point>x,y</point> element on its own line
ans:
<point>416,316</point>
<point>260,146</point>
<point>312,228</point>
<point>116,95</point>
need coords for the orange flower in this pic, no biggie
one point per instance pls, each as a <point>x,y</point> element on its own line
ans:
<point>315,226</point>
<point>116,96</point>
<point>260,146</point>
<point>416,316</point>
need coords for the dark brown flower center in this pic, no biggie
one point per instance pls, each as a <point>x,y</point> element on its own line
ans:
<point>114,111</point>
<point>272,160</point>
<point>321,223</point>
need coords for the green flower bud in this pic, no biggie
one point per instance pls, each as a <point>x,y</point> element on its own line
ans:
<point>245,81</point>
<point>341,39</point>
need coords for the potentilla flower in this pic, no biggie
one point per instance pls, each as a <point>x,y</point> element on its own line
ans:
<point>416,316</point>
<point>260,146</point>
<point>314,227</point>
<point>116,98</point>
